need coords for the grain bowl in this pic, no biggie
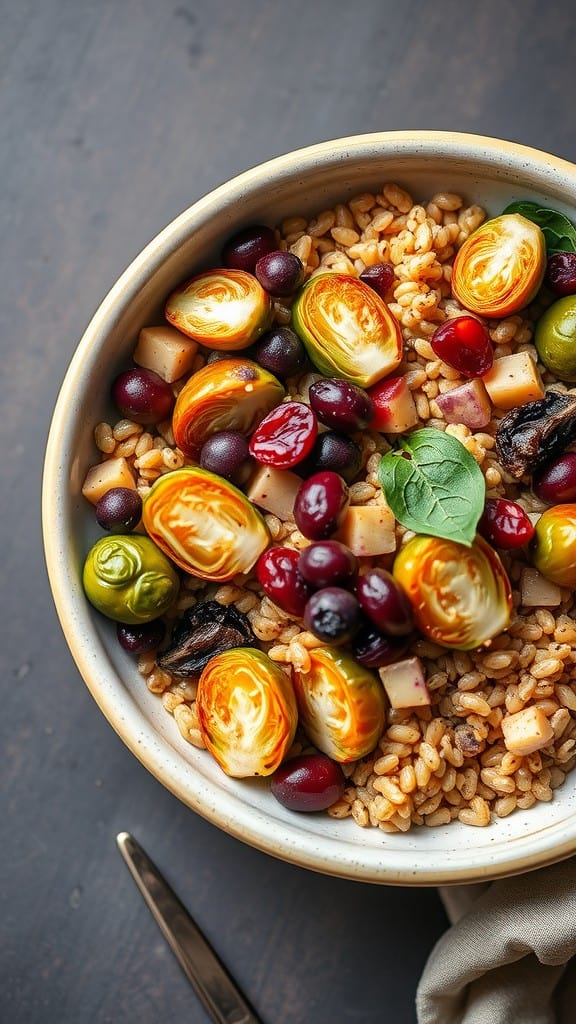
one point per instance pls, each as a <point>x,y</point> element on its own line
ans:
<point>445,792</point>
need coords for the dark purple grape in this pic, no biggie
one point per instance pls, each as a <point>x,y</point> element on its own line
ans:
<point>280,273</point>
<point>341,405</point>
<point>333,452</point>
<point>280,351</point>
<point>309,782</point>
<point>142,396</point>
<point>279,576</point>
<point>379,277</point>
<point>333,615</point>
<point>227,454</point>
<point>561,273</point>
<point>385,603</point>
<point>555,483</point>
<point>141,638</point>
<point>119,510</point>
<point>373,649</point>
<point>320,505</point>
<point>245,248</point>
<point>327,563</point>
<point>215,355</point>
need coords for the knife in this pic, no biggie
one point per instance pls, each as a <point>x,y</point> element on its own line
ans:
<point>209,978</point>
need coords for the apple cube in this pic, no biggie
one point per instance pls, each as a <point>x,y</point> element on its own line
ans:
<point>394,407</point>
<point>368,530</point>
<point>526,731</point>
<point>165,351</point>
<point>274,490</point>
<point>405,683</point>
<point>468,404</point>
<point>111,473</point>
<point>538,592</point>
<point>513,380</point>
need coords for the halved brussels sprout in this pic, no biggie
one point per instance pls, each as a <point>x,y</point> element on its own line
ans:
<point>554,552</point>
<point>128,579</point>
<point>204,524</point>
<point>229,394</point>
<point>223,309</point>
<point>247,711</point>
<point>500,267</point>
<point>341,704</point>
<point>347,329</point>
<point>461,595</point>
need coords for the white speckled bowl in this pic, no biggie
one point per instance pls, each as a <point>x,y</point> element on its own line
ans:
<point>487,171</point>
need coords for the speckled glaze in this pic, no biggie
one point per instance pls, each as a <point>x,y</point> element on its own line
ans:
<point>487,171</point>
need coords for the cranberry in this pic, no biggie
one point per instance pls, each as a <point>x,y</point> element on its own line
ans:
<point>278,575</point>
<point>226,453</point>
<point>505,524</point>
<point>245,248</point>
<point>320,505</point>
<point>327,563</point>
<point>310,782</point>
<point>561,273</point>
<point>335,452</point>
<point>142,396</point>
<point>141,638</point>
<point>464,344</point>
<point>374,649</point>
<point>380,277</point>
<point>555,482</point>
<point>285,436</point>
<point>333,615</point>
<point>385,603</point>
<point>119,510</point>
<point>280,273</point>
<point>280,351</point>
<point>341,405</point>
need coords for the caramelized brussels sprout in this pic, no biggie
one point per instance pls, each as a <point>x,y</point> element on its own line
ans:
<point>128,579</point>
<point>500,267</point>
<point>223,309</point>
<point>229,394</point>
<point>247,711</point>
<point>204,524</point>
<point>554,552</point>
<point>341,705</point>
<point>347,329</point>
<point>461,596</point>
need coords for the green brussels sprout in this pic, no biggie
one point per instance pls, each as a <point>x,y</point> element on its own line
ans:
<point>555,338</point>
<point>128,579</point>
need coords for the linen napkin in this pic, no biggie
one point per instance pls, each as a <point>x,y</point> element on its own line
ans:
<point>507,957</point>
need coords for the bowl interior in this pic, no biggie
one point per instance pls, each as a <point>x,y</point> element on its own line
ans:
<point>485,171</point>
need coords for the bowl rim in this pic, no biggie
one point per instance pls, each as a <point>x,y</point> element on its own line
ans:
<point>295,845</point>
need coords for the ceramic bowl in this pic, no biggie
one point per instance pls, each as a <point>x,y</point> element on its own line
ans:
<point>486,171</point>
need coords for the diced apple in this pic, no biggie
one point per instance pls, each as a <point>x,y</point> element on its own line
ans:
<point>274,490</point>
<point>513,380</point>
<point>526,731</point>
<point>111,473</point>
<point>405,683</point>
<point>165,351</point>
<point>468,404</point>
<point>394,407</point>
<point>368,530</point>
<point>538,592</point>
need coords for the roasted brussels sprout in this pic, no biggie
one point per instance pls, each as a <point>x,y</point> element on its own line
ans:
<point>204,524</point>
<point>500,267</point>
<point>229,394</point>
<point>247,711</point>
<point>224,309</point>
<point>128,579</point>
<point>554,552</point>
<point>461,596</point>
<point>341,705</point>
<point>347,329</point>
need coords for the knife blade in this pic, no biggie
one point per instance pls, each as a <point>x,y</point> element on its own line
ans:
<point>209,978</point>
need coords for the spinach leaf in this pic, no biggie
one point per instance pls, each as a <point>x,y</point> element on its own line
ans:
<point>559,232</point>
<point>434,486</point>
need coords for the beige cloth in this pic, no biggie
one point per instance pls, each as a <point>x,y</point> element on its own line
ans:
<point>507,958</point>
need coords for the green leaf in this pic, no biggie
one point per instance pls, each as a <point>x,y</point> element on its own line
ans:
<point>559,232</point>
<point>434,486</point>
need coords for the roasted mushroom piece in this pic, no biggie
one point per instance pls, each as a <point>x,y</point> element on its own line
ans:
<point>204,631</point>
<point>534,433</point>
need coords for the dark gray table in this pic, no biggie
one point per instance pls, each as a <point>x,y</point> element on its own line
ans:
<point>114,116</point>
